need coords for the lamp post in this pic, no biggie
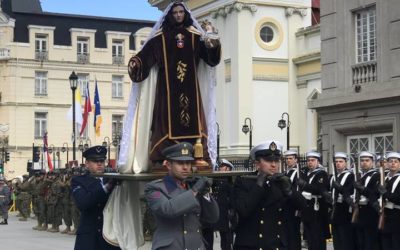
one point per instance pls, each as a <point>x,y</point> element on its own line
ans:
<point>218,140</point>
<point>81,148</point>
<point>107,143</point>
<point>246,129</point>
<point>73,81</point>
<point>282,125</point>
<point>65,148</point>
<point>52,151</point>
<point>87,144</point>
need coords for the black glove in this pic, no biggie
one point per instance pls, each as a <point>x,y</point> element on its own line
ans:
<point>350,201</point>
<point>275,177</point>
<point>261,178</point>
<point>328,197</point>
<point>336,185</point>
<point>376,206</point>
<point>301,183</point>
<point>382,190</point>
<point>284,184</point>
<point>360,187</point>
<point>202,185</point>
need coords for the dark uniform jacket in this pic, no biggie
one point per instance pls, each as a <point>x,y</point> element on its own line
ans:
<point>368,216</point>
<point>316,210</point>
<point>263,213</point>
<point>179,215</point>
<point>342,213</point>
<point>392,207</point>
<point>90,198</point>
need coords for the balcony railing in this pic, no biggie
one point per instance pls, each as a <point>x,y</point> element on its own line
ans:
<point>4,53</point>
<point>83,58</point>
<point>118,60</point>
<point>364,72</point>
<point>41,55</point>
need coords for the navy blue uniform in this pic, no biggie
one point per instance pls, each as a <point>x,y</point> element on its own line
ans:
<point>90,198</point>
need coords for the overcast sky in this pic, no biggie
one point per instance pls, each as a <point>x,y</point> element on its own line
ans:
<point>132,9</point>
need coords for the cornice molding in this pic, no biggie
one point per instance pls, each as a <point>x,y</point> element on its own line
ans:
<point>291,11</point>
<point>237,6</point>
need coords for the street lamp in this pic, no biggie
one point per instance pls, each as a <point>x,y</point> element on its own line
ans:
<point>246,129</point>
<point>107,143</point>
<point>88,144</point>
<point>81,148</point>
<point>73,81</point>
<point>282,125</point>
<point>65,148</point>
<point>116,143</point>
<point>218,140</point>
<point>53,151</point>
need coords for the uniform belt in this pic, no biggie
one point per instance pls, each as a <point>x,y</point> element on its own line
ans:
<point>391,205</point>
<point>309,196</point>
<point>363,200</point>
<point>339,199</point>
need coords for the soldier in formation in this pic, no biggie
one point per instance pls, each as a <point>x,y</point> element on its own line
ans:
<point>4,200</point>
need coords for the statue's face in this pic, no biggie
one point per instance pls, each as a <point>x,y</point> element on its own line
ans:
<point>178,12</point>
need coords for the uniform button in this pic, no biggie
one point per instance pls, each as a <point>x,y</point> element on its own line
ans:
<point>261,248</point>
<point>262,209</point>
<point>280,209</point>
<point>279,222</point>
<point>261,222</point>
<point>184,215</point>
<point>260,236</point>
<point>198,230</point>
<point>185,232</point>
<point>99,230</point>
<point>99,217</point>
<point>198,215</point>
<point>278,236</point>
<point>98,205</point>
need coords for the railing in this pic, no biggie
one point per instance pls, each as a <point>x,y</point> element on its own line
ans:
<point>364,72</point>
<point>83,58</point>
<point>4,53</point>
<point>41,55</point>
<point>118,60</point>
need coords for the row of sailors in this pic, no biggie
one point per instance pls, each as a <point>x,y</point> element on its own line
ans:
<point>353,206</point>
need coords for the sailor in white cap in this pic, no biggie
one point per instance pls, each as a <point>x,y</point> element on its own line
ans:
<point>315,188</point>
<point>342,188</point>
<point>367,235</point>
<point>262,201</point>
<point>391,195</point>
<point>294,220</point>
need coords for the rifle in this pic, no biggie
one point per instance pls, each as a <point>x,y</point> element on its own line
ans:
<point>334,179</point>
<point>356,199</point>
<point>381,223</point>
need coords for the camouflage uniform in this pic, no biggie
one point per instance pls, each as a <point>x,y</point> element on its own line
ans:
<point>40,189</point>
<point>54,206</point>
<point>24,199</point>
<point>65,202</point>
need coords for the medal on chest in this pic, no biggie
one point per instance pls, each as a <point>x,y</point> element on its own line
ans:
<point>180,43</point>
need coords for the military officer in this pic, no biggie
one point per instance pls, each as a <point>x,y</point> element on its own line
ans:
<point>294,219</point>
<point>391,196</point>
<point>4,200</point>
<point>342,188</point>
<point>180,208</point>
<point>24,198</point>
<point>315,188</point>
<point>262,202</point>
<point>367,234</point>
<point>91,195</point>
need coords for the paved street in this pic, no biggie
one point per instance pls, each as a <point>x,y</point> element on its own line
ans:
<point>19,235</point>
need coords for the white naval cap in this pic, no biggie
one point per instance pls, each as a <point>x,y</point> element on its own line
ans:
<point>313,154</point>
<point>290,152</point>
<point>367,154</point>
<point>267,149</point>
<point>393,155</point>
<point>341,155</point>
<point>226,163</point>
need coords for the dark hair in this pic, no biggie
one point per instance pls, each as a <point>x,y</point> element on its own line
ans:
<point>169,21</point>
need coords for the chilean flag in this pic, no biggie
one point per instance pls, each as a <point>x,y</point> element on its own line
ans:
<point>87,110</point>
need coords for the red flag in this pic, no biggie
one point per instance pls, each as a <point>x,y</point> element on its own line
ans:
<point>45,149</point>
<point>87,110</point>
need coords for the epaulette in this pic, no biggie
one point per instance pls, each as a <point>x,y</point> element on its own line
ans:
<point>157,181</point>
<point>194,30</point>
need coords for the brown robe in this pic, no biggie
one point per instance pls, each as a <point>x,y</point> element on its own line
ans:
<point>178,111</point>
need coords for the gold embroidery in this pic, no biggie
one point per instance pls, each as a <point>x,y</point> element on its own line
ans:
<point>181,71</point>
<point>184,105</point>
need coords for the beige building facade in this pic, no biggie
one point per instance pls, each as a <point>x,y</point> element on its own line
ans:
<point>35,89</point>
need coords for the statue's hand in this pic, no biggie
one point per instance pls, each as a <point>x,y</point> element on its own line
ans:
<point>211,43</point>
